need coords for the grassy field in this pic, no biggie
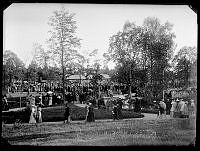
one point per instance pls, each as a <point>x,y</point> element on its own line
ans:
<point>103,133</point>
<point>56,113</point>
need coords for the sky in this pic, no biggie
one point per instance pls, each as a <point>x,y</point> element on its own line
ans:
<point>26,23</point>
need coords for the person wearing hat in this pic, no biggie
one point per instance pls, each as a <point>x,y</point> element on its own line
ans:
<point>39,110</point>
<point>192,108</point>
<point>174,104</point>
<point>115,113</point>
<point>177,108</point>
<point>185,111</point>
<point>162,108</point>
<point>92,112</point>
<point>33,113</point>
<point>88,116</point>
<point>181,107</point>
<point>5,103</point>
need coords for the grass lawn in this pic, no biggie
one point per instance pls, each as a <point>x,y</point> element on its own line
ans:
<point>56,113</point>
<point>102,133</point>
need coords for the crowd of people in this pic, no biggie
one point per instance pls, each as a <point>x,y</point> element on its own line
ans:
<point>85,95</point>
<point>182,108</point>
<point>31,87</point>
<point>179,108</point>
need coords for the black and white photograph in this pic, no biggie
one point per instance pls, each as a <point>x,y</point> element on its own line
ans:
<point>84,74</point>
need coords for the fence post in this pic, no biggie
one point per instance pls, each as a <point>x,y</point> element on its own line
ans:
<point>20,102</point>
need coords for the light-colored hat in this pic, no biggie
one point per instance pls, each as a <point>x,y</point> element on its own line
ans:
<point>177,100</point>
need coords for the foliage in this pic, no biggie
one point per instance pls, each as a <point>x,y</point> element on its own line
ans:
<point>184,61</point>
<point>41,56</point>
<point>143,50</point>
<point>32,71</point>
<point>63,40</point>
<point>13,67</point>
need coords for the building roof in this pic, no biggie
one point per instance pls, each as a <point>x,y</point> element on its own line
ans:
<point>105,76</point>
<point>76,77</point>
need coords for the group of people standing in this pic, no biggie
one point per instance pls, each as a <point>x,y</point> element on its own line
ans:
<point>90,117</point>
<point>179,108</point>
<point>182,108</point>
<point>89,113</point>
<point>35,110</point>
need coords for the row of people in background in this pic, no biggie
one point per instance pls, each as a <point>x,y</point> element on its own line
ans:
<point>45,87</point>
<point>33,87</point>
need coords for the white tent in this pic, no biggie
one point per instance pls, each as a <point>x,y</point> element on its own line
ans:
<point>49,92</point>
<point>76,77</point>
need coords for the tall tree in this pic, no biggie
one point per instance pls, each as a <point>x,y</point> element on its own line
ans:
<point>32,71</point>
<point>41,56</point>
<point>63,41</point>
<point>124,49</point>
<point>158,46</point>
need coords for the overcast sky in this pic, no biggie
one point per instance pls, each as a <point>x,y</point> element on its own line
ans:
<point>24,24</point>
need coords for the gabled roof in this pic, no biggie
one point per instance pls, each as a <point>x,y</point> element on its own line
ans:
<point>105,76</point>
<point>76,77</point>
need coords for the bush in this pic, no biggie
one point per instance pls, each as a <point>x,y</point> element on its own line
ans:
<point>12,116</point>
<point>153,111</point>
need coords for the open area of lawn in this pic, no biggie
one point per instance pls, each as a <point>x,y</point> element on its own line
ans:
<point>103,133</point>
<point>56,113</point>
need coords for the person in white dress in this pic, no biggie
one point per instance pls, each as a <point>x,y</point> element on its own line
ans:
<point>162,109</point>
<point>50,100</point>
<point>173,103</point>
<point>33,114</point>
<point>192,108</point>
<point>39,111</point>
<point>33,110</point>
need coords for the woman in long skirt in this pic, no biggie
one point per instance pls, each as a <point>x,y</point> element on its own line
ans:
<point>33,114</point>
<point>67,114</point>
<point>92,113</point>
<point>88,113</point>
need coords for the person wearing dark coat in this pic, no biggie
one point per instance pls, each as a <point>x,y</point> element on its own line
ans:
<point>115,113</point>
<point>119,111</point>
<point>67,114</point>
<point>90,113</point>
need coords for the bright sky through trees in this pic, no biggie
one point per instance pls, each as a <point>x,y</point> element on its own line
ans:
<point>24,24</point>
